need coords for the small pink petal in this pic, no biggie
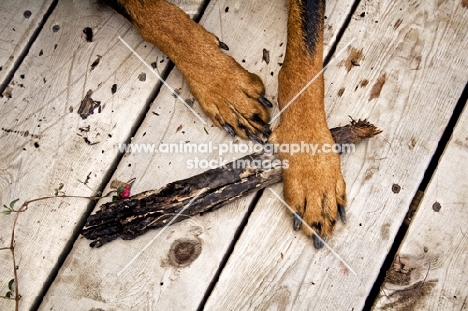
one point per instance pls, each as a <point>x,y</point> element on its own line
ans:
<point>125,192</point>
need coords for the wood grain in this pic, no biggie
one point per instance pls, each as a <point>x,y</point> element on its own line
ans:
<point>429,271</point>
<point>89,276</point>
<point>20,19</point>
<point>420,49</point>
<point>47,143</point>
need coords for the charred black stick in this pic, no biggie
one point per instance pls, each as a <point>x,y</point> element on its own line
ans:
<point>131,217</point>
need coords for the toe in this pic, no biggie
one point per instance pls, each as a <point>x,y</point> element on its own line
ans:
<point>254,87</point>
<point>256,138</point>
<point>229,129</point>
<point>342,213</point>
<point>341,192</point>
<point>319,242</point>
<point>222,45</point>
<point>297,221</point>
<point>265,102</point>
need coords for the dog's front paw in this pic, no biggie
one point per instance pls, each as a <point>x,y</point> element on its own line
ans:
<point>230,95</point>
<point>315,189</point>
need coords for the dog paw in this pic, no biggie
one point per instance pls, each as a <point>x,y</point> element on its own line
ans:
<point>231,96</point>
<point>316,191</point>
<point>313,185</point>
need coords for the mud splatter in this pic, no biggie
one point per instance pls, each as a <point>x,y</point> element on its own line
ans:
<point>88,105</point>
<point>96,62</point>
<point>341,91</point>
<point>8,93</point>
<point>88,31</point>
<point>408,282</point>
<point>385,231</point>
<point>354,58</point>
<point>142,77</point>
<point>266,56</point>
<point>377,87</point>
<point>21,133</point>
<point>411,297</point>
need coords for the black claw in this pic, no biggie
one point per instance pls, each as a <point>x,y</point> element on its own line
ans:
<point>256,138</point>
<point>318,242</point>
<point>229,129</point>
<point>266,131</point>
<point>265,102</point>
<point>342,213</point>
<point>297,221</point>
<point>223,45</point>
<point>256,118</point>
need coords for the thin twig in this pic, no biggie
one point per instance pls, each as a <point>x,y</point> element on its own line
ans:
<point>23,208</point>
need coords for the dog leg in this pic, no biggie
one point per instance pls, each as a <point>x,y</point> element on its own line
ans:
<point>231,96</point>
<point>313,183</point>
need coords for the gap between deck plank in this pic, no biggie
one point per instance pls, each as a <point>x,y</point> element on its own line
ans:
<point>428,175</point>
<point>21,23</point>
<point>162,281</point>
<point>429,271</point>
<point>45,137</point>
<point>335,28</point>
<point>423,76</point>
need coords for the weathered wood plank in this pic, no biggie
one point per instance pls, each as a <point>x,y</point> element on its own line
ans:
<point>43,136</point>
<point>89,277</point>
<point>430,269</point>
<point>18,21</point>
<point>405,71</point>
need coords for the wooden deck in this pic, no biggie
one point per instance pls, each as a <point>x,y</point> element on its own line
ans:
<point>405,71</point>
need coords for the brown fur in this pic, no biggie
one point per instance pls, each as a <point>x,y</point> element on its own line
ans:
<point>313,184</point>
<point>227,92</point>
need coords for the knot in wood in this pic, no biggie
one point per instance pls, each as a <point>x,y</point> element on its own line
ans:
<point>184,251</point>
<point>436,206</point>
<point>396,188</point>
